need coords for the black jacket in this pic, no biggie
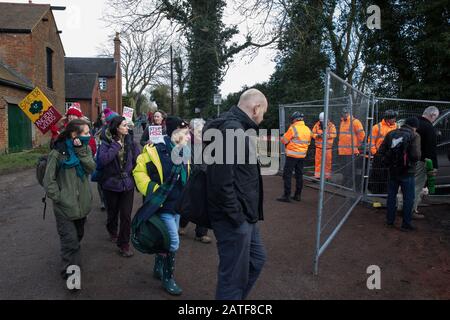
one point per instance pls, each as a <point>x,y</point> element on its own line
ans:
<point>413,150</point>
<point>235,191</point>
<point>428,141</point>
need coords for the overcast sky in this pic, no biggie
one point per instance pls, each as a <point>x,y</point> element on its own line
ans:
<point>83,33</point>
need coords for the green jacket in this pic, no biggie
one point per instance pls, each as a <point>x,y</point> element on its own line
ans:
<point>71,195</point>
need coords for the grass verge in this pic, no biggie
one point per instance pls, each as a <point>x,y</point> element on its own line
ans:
<point>14,162</point>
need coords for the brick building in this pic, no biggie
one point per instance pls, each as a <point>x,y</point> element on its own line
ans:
<point>84,89</point>
<point>31,54</point>
<point>109,78</point>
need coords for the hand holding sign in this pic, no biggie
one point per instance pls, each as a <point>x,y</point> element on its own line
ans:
<point>155,134</point>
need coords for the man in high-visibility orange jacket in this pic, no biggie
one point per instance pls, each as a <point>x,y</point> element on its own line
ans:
<point>317,134</point>
<point>381,129</point>
<point>347,148</point>
<point>297,140</point>
<point>378,175</point>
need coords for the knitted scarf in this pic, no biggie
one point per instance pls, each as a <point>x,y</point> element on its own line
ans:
<point>73,160</point>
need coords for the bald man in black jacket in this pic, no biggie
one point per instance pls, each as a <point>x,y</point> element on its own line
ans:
<point>235,201</point>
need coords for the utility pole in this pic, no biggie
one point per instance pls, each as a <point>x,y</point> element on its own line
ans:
<point>172,111</point>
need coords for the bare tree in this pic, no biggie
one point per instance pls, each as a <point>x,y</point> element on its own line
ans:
<point>144,61</point>
<point>343,24</point>
<point>145,58</point>
<point>345,37</point>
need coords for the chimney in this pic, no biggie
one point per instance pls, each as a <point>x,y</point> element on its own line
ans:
<point>117,48</point>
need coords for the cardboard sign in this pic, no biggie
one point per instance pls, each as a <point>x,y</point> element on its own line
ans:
<point>40,110</point>
<point>128,113</point>
<point>155,134</point>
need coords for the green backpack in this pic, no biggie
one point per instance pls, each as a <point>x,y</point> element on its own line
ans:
<point>150,236</point>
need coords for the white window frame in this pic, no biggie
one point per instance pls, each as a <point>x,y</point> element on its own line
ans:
<point>103,83</point>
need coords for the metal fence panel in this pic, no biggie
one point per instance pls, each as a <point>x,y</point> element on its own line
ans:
<point>344,180</point>
<point>376,184</point>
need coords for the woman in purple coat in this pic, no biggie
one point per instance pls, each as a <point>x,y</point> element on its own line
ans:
<point>117,156</point>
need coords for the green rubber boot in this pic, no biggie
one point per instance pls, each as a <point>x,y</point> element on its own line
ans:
<point>168,281</point>
<point>158,268</point>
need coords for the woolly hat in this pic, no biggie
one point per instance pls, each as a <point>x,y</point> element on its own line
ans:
<point>74,112</point>
<point>109,115</point>
<point>173,123</point>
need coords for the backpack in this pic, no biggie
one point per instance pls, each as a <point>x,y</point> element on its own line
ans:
<point>396,155</point>
<point>41,167</point>
<point>97,175</point>
<point>193,203</point>
<point>150,236</point>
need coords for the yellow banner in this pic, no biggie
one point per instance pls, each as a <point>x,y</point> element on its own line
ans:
<point>40,110</point>
<point>35,104</point>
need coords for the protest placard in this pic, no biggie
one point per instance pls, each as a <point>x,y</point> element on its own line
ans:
<point>128,113</point>
<point>155,134</point>
<point>40,110</point>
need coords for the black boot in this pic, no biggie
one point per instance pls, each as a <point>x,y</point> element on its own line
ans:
<point>297,197</point>
<point>284,198</point>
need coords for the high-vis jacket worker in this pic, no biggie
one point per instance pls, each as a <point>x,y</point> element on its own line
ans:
<point>350,127</point>
<point>297,140</point>
<point>317,134</point>
<point>345,134</point>
<point>381,129</point>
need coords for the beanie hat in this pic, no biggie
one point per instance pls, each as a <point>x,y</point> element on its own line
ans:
<point>173,123</point>
<point>412,122</point>
<point>106,111</point>
<point>74,112</point>
<point>109,115</point>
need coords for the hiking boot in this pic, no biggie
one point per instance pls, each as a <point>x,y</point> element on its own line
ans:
<point>407,228</point>
<point>204,239</point>
<point>297,197</point>
<point>125,251</point>
<point>182,231</point>
<point>158,268</point>
<point>390,224</point>
<point>418,216</point>
<point>168,280</point>
<point>284,198</point>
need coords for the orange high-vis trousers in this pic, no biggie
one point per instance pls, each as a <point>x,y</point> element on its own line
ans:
<point>318,161</point>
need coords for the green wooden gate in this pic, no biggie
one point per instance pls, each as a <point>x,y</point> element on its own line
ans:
<point>19,129</point>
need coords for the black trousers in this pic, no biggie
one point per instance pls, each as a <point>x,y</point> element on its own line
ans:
<point>241,258</point>
<point>293,164</point>
<point>119,205</point>
<point>70,234</point>
<point>199,231</point>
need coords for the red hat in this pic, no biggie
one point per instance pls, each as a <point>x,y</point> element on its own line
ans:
<point>75,112</point>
